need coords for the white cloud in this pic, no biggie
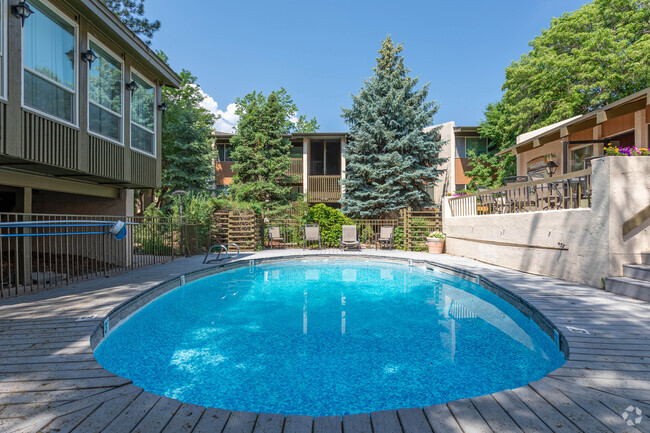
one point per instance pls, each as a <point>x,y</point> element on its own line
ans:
<point>228,119</point>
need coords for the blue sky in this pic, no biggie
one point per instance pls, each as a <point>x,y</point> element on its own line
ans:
<point>320,51</point>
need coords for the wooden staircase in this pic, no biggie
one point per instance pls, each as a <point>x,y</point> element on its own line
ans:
<point>635,281</point>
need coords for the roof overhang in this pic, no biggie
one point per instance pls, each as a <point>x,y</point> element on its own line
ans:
<point>106,21</point>
<point>533,139</point>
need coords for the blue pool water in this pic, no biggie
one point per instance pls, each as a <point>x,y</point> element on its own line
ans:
<point>328,338</point>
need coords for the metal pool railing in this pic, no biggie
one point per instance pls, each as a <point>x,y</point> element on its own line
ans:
<point>41,251</point>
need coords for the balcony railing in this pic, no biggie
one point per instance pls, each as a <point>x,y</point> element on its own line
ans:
<point>324,189</point>
<point>295,169</point>
<point>568,191</point>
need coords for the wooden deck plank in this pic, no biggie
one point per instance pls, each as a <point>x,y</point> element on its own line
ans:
<point>327,424</point>
<point>525,418</point>
<point>468,417</point>
<point>104,414</point>
<point>269,423</point>
<point>551,416</point>
<point>158,417</point>
<point>133,414</point>
<point>441,419</point>
<point>66,423</point>
<point>212,421</point>
<point>494,415</point>
<point>49,396</point>
<point>357,423</point>
<point>185,419</point>
<point>385,421</point>
<point>612,420</point>
<point>61,385</point>
<point>413,420</point>
<point>568,408</point>
<point>298,424</point>
<point>241,422</point>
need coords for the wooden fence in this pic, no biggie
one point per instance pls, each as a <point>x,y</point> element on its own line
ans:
<point>240,227</point>
<point>410,229</point>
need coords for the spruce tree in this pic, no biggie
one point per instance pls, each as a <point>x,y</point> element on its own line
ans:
<point>390,159</point>
<point>261,150</point>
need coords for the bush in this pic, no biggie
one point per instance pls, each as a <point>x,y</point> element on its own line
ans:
<point>398,237</point>
<point>330,221</point>
<point>367,234</point>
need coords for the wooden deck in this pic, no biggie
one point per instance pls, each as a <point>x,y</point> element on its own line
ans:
<point>50,381</point>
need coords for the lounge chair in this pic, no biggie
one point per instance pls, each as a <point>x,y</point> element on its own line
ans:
<point>349,237</point>
<point>311,233</point>
<point>385,237</point>
<point>274,236</point>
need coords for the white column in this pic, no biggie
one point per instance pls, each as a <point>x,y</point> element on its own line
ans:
<point>305,166</point>
<point>343,143</point>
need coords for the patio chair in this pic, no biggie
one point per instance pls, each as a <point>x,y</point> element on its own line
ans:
<point>385,237</point>
<point>349,237</point>
<point>275,236</point>
<point>311,233</point>
<point>546,196</point>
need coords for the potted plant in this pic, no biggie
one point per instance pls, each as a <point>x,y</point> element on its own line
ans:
<point>436,242</point>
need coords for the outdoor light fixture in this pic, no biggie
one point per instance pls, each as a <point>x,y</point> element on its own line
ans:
<point>89,56</point>
<point>132,86</point>
<point>551,167</point>
<point>162,107</point>
<point>22,11</point>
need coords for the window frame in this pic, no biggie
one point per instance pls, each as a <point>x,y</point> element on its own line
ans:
<point>75,100</point>
<point>225,147</point>
<point>3,49</point>
<point>155,115</point>
<point>122,89</point>
<point>578,147</point>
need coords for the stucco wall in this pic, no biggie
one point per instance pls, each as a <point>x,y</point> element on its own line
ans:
<point>580,245</point>
<point>445,182</point>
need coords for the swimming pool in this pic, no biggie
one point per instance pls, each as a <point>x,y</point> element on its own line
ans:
<point>328,337</point>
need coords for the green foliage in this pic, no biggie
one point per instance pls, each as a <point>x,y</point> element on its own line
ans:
<point>390,158</point>
<point>261,151</point>
<point>398,237</point>
<point>330,221</point>
<point>586,59</point>
<point>131,13</point>
<point>186,139</point>
<point>489,170</point>
<point>367,234</point>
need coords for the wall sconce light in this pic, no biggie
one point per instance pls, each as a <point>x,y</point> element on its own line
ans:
<point>22,11</point>
<point>551,167</point>
<point>163,107</point>
<point>89,56</point>
<point>132,86</point>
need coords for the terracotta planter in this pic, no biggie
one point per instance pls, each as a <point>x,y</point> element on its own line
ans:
<point>436,245</point>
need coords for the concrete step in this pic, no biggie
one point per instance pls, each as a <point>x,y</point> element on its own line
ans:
<point>645,258</point>
<point>628,287</point>
<point>640,272</point>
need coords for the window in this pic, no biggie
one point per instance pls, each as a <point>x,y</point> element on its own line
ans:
<point>50,63</point>
<point>460,187</point>
<point>143,136</point>
<point>466,145</point>
<point>578,156</point>
<point>105,94</point>
<point>224,152</point>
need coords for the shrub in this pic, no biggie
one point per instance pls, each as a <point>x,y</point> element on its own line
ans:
<point>330,221</point>
<point>398,237</point>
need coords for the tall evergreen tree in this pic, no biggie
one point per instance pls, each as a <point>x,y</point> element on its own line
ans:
<point>390,159</point>
<point>131,13</point>
<point>261,151</point>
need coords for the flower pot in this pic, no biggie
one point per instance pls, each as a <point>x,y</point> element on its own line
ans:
<point>436,245</point>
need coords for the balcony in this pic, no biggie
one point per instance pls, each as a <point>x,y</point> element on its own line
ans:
<point>324,189</point>
<point>295,169</point>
